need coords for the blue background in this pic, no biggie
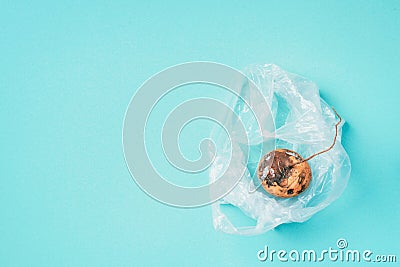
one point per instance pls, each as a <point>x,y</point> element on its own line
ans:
<point>68,71</point>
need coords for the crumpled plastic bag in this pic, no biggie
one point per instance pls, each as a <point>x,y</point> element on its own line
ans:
<point>304,123</point>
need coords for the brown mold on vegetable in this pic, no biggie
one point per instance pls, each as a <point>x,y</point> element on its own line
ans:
<point>284,173</point>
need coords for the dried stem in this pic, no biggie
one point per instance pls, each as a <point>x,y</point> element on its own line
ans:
<point>329,148</point>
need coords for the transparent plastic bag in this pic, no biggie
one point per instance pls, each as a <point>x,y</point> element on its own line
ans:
<point>304,123</point>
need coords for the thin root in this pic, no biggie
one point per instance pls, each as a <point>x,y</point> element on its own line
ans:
<point>329,148</point>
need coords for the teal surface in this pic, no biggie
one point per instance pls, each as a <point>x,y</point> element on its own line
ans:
<point>68,71</point>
